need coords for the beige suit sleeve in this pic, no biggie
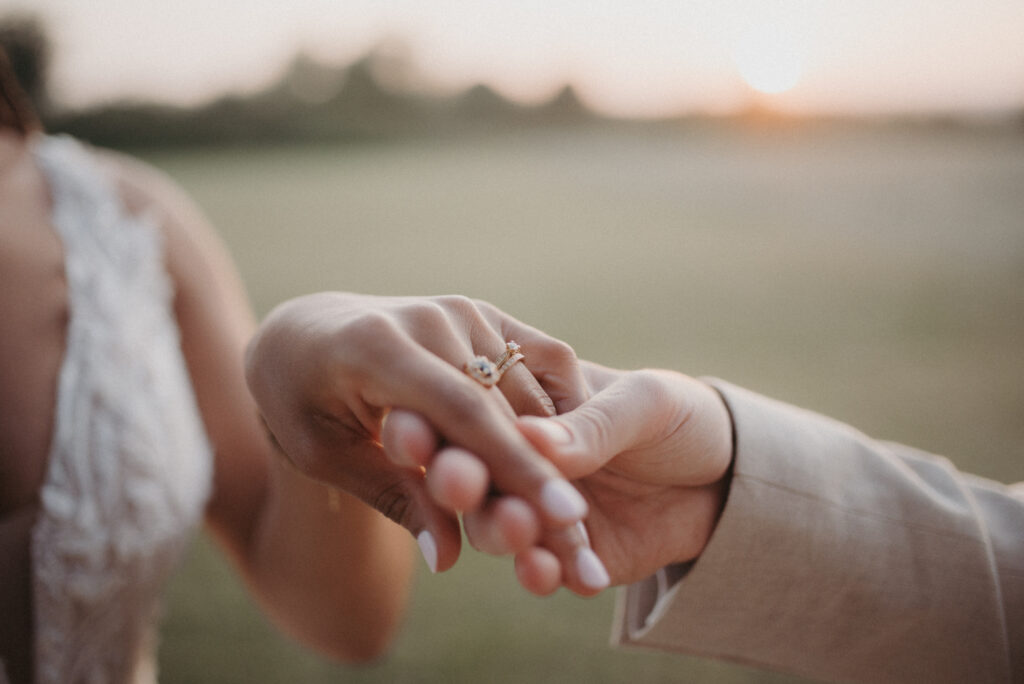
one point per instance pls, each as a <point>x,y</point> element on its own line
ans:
<point>843,558</point>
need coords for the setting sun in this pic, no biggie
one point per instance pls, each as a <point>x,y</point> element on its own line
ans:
<point>644,58</point>
<point>769,59</point>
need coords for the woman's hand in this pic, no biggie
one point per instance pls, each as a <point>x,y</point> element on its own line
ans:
<point>327,371</point>
<point>650,451</point>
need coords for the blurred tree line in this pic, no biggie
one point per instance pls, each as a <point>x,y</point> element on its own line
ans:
<point>379,96</point>
<point>373,97</point>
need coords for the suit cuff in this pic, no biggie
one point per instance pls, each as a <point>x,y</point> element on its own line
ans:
<point>835,556</point>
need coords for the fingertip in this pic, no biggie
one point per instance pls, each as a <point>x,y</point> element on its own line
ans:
<point>457,480</point>
<point>428,548</point>
<point>569,453</point>
<point>437,532</point>
<point>591,571</point>
<point>517,524</point>
<point>562,501</point>
<point>545,432</point>
<point>538,571</point>
<point>582,572</point>
<point>440,544</point>
<point>506,525</point>
<point>408,439</point>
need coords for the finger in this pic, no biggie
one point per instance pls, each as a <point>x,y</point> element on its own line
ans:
<point>582,571</point>
<point>505,525</point>
<point>599,377</point>
<point>438,537</point>
<point>408,439</point>
<point>658,426</point>
<point>621,417</point>
<point>457,480</point>
<point>555,366</point>
<point>361,468</point>
<point>518,385</point>
<point>462,412</point>
<point>566,558</point>
<point>452,329</point>
<point>538,571</point>
<point>455,329</point>
<point>524,392</point>
<point>552,362</point>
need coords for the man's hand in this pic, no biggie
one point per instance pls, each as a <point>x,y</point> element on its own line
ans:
<point>651,453</point>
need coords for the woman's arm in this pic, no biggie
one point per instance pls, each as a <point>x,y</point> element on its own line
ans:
<point>329,569</point>
<point>326,370</point>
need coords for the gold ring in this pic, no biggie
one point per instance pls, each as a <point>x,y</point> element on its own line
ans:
<point>483,370</point>
<point>513,354</point>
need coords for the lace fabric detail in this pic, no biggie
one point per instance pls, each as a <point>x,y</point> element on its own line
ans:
<point>130,465</point>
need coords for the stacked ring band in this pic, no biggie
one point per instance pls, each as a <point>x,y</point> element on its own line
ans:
<point>513,354</point>
<point>488,372</point>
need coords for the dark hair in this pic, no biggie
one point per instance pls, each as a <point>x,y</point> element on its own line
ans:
<point>16,109</point>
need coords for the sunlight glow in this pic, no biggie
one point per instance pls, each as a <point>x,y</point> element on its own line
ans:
<point>769,58</point>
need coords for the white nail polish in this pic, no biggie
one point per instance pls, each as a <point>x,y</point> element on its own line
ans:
<point>428,547</point>
<point>561,500</point>
<point>591,569</point>
<point>583,532</point>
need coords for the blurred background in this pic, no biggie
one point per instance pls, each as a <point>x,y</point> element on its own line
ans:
<point>822,201</point>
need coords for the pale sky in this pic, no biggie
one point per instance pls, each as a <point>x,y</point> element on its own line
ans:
<point>637,57</point>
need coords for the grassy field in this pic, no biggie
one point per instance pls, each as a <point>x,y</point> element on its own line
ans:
<point>875,274</point>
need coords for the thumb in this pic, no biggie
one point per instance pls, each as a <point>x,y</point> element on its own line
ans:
<point>437,533</point>
<point>403,497</point>
<point>400,494</point>
<point>621,417</point>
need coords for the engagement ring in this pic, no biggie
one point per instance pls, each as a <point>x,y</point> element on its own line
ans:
<point>483,370</point>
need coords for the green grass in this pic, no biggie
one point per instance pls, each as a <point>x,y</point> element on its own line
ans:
<point>876,275</point>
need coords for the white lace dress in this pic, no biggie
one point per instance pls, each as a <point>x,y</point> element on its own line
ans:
<point>130,464</point>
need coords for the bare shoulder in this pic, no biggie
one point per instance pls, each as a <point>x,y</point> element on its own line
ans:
<point>144,189</point>
<point>197,259</point>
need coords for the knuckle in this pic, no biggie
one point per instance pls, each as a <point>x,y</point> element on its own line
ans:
<point>463,312</point>
<point>665,408</point>
<point>365,331</point>
<point>459,304</point>
<point>424,312</point>
<point>485,306</point>
<point>598,425</point>
<point>394,503</point>
<point>652,386</point>
<point>488,311</point>
<point>561,353</point>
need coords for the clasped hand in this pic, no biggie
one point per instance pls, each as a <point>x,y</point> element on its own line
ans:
<point>367,394</point>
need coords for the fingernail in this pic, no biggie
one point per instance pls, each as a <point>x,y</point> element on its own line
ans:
<point>397,450</point>
<point>553,430</point>
<point>561,500</point>
<point>399,457</point>
<point>428,547</point>
<point>583,532</point>
<point>591,569</point>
